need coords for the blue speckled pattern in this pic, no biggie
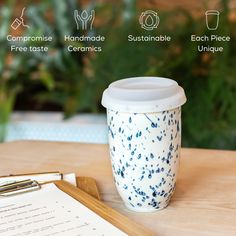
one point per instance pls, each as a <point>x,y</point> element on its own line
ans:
<point>145,151</point>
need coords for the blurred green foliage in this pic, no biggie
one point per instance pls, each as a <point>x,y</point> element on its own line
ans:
<point>75,81</point>
<point>209,116</point>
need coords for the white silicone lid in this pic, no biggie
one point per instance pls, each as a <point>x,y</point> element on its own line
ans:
<point>143,95</point>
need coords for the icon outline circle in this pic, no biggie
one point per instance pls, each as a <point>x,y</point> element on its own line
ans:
<point>154,20</point>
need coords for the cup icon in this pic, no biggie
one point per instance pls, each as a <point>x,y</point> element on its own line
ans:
<point>144,123</point>
<point>19,21</point>
<point>212,19</point>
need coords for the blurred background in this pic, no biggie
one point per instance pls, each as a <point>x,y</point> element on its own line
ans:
<point>56,95</point>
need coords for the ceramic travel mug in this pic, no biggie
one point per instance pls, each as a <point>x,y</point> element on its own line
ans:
<point>144,123</point>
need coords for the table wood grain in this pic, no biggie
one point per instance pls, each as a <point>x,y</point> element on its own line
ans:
<point>204,202</point>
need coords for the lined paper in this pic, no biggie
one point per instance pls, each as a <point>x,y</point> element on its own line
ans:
<point>50,212</point>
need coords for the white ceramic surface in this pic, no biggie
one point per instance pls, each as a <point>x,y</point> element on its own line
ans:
<point>145,152</point>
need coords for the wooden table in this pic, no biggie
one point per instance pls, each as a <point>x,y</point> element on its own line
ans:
<point>204,202</point>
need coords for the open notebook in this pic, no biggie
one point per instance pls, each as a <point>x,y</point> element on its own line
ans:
<point>50,212</point>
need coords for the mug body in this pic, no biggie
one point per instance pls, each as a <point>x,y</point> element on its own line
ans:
<point>145,153</point>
